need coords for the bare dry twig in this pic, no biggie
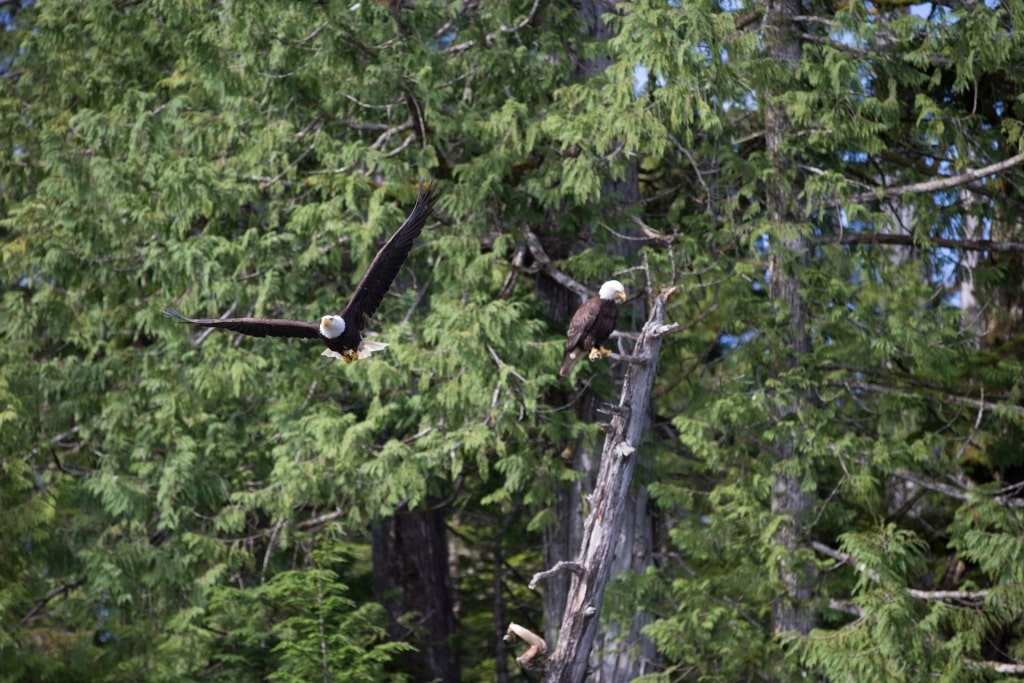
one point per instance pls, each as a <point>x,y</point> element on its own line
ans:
<point>527,660</point>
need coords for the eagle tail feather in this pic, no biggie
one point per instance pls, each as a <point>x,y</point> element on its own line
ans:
<point>567,364</point>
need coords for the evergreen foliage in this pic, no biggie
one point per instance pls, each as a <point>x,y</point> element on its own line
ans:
<point>191,506</point>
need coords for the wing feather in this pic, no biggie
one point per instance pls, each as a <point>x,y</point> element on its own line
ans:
<point>255,327</point>
<point>582,321</point>
<point>385,266</point>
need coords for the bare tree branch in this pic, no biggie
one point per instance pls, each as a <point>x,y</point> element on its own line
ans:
<point>966,176</point>
<point>846,558</point>
<point>43,601</point>
<point>912,241</point>
<point>574,567</point>
<point>490,37</point>
<point>952,491</point>
<point>544,264</point>
<point>537,648</point>
<point>999,667</point>
<point>962,400</point>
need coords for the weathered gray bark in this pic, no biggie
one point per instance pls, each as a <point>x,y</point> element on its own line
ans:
<point>789,499</point>
<point>621,652</point>
<point>608,508</point>
<point>563,538</point>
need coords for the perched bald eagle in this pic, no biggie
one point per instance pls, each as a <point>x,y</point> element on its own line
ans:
<point>591,325</point>
<point>342,333</point>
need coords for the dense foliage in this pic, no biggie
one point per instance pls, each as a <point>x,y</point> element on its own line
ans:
<point>179,505</point>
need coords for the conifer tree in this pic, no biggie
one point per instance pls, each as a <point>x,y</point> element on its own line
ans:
<point>834,444</point>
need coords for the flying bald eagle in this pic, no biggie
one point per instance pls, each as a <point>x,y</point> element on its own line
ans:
<point>342,333</point>
<point>591,325</point>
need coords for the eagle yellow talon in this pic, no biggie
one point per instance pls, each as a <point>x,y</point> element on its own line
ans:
<point>349,356</point>
<point>598,353</point>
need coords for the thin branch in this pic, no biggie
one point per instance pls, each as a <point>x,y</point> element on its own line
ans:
<point>405,143</point>
<point>366,105</point>
<point>846,558</point>
<point>693,163</point>
<point>954,491</point>
<point>270,546</point>
<point>312,34</point>
<point>56,440</point>
<point>421,293</point>
<point>502,364</point>
<point>912,241</point>
<point>974,429</point>
<point>544,263</point>
<point>321,519</point>
<point>489,38</point>
<point>522,24</point>
<point>562,566</point>
<point>999,667</point>
<point>964,400</point>
<point>390,132</point>
<point>650,233</point>
<point>309,397</point>
<point>297,160</point>
<point>964,177</point>
<point>45,600</point>
<point>537,645</point>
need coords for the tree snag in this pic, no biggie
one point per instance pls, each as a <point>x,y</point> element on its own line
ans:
<point>592,570</point>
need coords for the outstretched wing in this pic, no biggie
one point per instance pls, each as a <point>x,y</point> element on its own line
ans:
<point>582,321</point>
<point>254,327</point>
<point>378,277</point>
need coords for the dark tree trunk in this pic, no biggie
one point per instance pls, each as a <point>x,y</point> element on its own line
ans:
<point>411,580</point>
<point>501,646</point>
<point>789,497</point>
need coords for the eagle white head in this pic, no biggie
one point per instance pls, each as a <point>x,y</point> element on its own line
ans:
<point>612,290</point>
<point>332,326</point>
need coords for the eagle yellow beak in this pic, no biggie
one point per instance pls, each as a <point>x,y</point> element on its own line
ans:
<point>622,296</point>
<point>325,321</point>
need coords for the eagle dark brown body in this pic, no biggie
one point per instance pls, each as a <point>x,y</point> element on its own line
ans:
<point>592,324</point>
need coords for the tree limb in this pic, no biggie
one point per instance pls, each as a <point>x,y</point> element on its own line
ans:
<point>43,601</point>
<point>954,491</point>
<point>912,241</point>
<point>846,558</point>
<point>998,667</point>
<point>544,264</point>
<point>537,648</point>
<point>964,177</point>
<point>574,567</point>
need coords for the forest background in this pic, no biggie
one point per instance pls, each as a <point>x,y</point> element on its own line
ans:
<point>830,485</point>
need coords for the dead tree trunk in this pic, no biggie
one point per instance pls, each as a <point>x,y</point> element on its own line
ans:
<point>592,569</point>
